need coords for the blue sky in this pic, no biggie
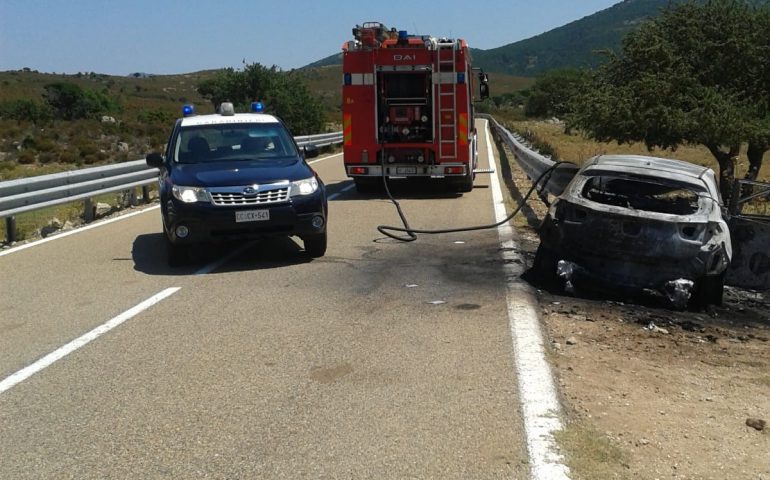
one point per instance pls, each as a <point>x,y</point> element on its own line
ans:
<point>175,36</point>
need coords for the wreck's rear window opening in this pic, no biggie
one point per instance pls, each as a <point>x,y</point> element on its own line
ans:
<point>647,195</point>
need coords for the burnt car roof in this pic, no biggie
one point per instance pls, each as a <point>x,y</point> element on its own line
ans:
<point>640,163</point>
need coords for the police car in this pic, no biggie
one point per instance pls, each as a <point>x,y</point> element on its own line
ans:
<point>237,176</point>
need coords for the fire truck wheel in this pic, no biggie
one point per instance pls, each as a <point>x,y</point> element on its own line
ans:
<point>315,245</point>
<point>464,184</point>
<point>367,185</point>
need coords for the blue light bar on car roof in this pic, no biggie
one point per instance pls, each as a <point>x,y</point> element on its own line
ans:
<point>188,110</point>
<point>257,107</point>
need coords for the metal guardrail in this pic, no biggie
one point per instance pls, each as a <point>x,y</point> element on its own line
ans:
<point>320,140</point>
<point>533,163</point>
<point>34,193</point>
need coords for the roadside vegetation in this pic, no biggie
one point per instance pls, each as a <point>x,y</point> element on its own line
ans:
<point>690,84</point>
<point>53,122</point>
<point>56,122</point>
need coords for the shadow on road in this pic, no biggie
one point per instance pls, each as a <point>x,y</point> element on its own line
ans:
<point>149,255</point>
<point>407,188</point>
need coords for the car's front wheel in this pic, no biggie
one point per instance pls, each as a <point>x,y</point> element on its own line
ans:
<point>544,264</point>
<point>709,290</point>
<point>315,245</point>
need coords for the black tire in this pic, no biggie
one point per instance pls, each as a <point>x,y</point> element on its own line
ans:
<point>544,265</point>
<point>709,290</point>
<point>463,184</point>
<point>367,185</point>
<point>315,245</point>
<point>177,255</point>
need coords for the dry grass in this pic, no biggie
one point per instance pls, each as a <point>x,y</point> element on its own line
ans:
<point>576,148</point>
<point>591,455</point>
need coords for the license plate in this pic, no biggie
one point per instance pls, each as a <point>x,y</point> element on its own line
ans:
<point>252,216</point>
<point>406,170</point>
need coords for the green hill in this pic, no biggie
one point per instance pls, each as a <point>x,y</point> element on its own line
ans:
<point>572,45</point>
<point>331,60</point>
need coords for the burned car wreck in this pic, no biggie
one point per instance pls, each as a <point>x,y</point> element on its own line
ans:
<point>637,222</point>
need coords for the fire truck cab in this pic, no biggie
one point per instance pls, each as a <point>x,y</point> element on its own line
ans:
<point>407,106</point>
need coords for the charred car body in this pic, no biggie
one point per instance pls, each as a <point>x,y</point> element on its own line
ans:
<point>639,222</point>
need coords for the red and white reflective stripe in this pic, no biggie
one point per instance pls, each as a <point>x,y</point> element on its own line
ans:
<point>347,130</point>
<point>462,129</point>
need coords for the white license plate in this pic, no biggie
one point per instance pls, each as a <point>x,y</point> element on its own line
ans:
<point>252,216</point>
<point>406,170</point>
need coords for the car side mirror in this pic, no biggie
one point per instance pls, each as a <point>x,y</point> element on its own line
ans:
<point>311,151</point>
<point>154,160</point>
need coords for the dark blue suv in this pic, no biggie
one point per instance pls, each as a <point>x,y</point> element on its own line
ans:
<point>237,176</point>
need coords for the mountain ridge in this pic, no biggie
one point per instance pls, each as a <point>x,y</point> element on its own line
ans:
<point>573,45</point>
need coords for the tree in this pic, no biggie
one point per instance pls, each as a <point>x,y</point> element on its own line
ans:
<point>694,75</point>
<point>25,110</point>
<point>553,91</point>
<point>283,93</point>
<point>70,102</point>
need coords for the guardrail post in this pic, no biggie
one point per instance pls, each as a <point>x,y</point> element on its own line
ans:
<point>132,198</point>
<point>88,210</point>
<point>145,194</point>
<point>10,229</point>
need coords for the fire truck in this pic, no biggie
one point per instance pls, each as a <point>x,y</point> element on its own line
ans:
<point>407,107</point>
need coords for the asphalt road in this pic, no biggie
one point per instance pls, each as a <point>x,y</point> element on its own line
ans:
<point>269,365</point>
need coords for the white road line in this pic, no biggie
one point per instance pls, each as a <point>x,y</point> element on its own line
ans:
<point>60,353</point>
<point>346,189</point>
<point>77,230</point>
<point>325,158</point>
<point>221,261</point>
<point>539,403</point>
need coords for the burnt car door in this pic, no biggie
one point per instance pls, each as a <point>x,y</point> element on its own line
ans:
<point>750,233</point>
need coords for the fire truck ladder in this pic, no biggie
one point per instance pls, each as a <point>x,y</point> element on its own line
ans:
<point>447,100</point>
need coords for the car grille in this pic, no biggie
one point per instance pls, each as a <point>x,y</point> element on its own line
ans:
<point>231,197</point>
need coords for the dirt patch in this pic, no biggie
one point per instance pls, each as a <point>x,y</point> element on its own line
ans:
<point>655,393</point>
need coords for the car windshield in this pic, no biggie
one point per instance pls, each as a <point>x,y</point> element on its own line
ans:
<point>642,194</point>
<point>262,143</point>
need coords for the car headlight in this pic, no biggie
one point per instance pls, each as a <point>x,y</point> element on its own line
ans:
<point>304,187</point>
<point>190,194</point>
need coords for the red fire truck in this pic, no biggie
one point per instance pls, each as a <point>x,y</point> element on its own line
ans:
<point>407,107</point>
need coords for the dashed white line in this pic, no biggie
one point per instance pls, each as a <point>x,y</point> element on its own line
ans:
<point>84,339</point>
<point>539,403</point>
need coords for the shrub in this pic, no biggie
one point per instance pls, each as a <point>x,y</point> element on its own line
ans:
<point>68,156</point>
<point>25,111</point>
<point>26,157</point>
<point>48,157</point>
